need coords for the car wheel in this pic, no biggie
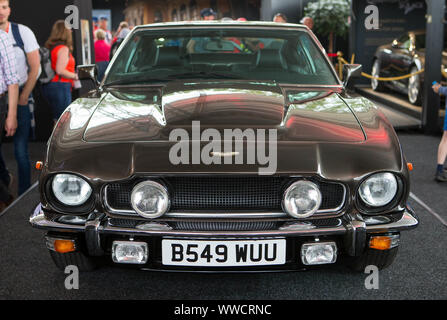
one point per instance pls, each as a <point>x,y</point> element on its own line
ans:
<point>78,259</point>
<point>379,258</point>
<point>376,85</point>
<point>414,88</point>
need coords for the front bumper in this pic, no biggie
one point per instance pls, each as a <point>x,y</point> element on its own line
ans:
<point>353,232</point>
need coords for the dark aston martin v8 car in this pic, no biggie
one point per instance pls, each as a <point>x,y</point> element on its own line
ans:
<point>223,147</point>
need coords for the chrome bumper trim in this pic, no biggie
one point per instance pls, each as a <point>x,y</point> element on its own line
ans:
<point>270,233</point>
<point>408,221</point>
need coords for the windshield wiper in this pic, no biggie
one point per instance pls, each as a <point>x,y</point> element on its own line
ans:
<point>136,82</point>
<point>205,74</point>
<point>188,75</point>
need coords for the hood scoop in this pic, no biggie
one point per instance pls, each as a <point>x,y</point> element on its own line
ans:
<point>150,114</point>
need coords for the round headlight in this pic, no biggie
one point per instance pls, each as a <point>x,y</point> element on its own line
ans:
<point>379,189</point>
<point>302,199</point>
<point>150,199</point>
<point>71,190</point>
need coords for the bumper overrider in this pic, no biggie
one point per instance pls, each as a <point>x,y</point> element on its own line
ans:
<point>296,243</point>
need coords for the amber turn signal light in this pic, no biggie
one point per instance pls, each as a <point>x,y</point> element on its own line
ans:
<point>39,165</point>
<point>410,166</point>
<point>64,246</point>
<point>380,243</point>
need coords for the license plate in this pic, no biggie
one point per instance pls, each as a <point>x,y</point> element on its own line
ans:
<point>225,253</point>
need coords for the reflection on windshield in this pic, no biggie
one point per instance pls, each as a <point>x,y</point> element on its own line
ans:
<point>281,56</point>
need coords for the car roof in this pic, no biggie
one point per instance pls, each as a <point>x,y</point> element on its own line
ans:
<point>217,23</point>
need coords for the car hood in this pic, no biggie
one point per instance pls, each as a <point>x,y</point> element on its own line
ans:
<point>125,132</point>
<point>151,114</point>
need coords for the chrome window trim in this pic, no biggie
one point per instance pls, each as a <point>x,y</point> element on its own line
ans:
<point>236,215</point>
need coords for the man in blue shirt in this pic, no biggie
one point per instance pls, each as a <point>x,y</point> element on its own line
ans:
<point>441,175</point>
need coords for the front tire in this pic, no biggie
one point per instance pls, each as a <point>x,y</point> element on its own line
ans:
<point>376,85</point>
<point>78,259</point>
<point>414,88</point>
<point>380,258</point>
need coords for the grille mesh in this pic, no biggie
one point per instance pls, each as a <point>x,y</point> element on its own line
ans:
<point>225,226</point>
<point>205,225</point>
<point>229,194</point>
<point>243,193</point>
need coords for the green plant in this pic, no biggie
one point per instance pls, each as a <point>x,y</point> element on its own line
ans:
<point>330,18</point>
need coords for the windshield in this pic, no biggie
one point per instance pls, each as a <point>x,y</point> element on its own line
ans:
<point>282,56</point>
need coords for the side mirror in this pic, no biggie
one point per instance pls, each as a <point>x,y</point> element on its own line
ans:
<point>88,72</point>
<point>350,72</point>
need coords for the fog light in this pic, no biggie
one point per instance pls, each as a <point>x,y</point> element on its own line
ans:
<point>129,252</point>
<point>150,199</point>
<point>319,253</point>
<point>302,199</point>
<point>384,242</point>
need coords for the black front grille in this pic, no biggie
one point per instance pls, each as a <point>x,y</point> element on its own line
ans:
<point>228,194</point>
<point>222,193</point>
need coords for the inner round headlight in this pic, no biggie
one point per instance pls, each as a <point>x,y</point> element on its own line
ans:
<point>150,199</point>
<point>302,199</point>
<point>71,190</point>
<point>379,189</point>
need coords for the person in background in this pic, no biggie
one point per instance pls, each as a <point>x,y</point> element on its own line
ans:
<point>26,51</point>
<point>95,27</point>
<point>123,30</point>
<point>58,91</point>
<point>197,45</point>
<point>104,25</point>
<point>9,83</point>
<point>102,53</point>
<point>120,35</point>
<point>308,21</point>
<point>208,14</point>
<point>280,18</point>
<point>441,175</point>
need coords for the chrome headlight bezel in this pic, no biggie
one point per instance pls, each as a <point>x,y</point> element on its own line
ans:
<point>162,189</point>
<point>82,207</point>
<point>368,208</point>
<point>288,208</point>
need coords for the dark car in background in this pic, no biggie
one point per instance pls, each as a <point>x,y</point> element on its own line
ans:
<point>403,56</point>
<point>112,185</point>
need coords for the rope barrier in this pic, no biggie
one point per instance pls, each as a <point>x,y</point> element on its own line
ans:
<point>342,61</point>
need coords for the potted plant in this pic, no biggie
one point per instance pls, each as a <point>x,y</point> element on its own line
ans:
<point>330,18</point>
